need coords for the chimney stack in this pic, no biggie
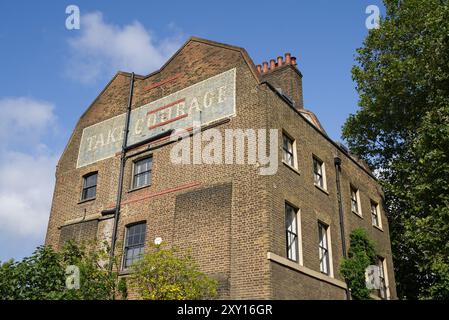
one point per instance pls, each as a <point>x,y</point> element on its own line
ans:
<point>287,77</point>
<point>276,63</point>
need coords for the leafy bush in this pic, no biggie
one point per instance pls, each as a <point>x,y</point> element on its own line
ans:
<point>42,276</point>
<point>361,254</point>
<point>167,274</point>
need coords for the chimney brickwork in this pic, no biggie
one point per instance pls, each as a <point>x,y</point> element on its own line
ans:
<point>284,75</point>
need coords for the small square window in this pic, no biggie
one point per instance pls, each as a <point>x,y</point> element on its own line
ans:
<point>142,172</point>
<point>89,186</point>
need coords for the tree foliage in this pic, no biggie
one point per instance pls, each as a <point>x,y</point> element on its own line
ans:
<point>168,274</point>
<point>401,130</point>
<point>361,254</point>
<point>42,276</point>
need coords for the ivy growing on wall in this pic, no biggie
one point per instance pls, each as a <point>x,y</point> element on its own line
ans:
<point>361,254</point>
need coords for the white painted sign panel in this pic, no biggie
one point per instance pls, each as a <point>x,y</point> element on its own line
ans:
<point>206,101</point>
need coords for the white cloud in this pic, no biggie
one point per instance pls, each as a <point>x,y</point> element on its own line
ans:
<point>27,170</point>
<point>26,189</point>
<point>102,49</point>
<point>24,119</point>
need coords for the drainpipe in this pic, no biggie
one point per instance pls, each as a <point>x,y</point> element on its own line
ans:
<point>122,169</point>
<point>337,162</point>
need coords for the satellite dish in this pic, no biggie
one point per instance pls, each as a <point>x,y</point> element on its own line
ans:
<point>157,241</point>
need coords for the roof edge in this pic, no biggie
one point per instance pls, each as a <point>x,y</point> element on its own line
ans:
<point>242,51</point>
<point>270,86</point>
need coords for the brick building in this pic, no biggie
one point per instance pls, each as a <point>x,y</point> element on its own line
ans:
<point>274,236</point>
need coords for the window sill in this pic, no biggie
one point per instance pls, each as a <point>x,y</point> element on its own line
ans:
<point>291,168</point>
<point>86,200</point>
<point>321,189</point>
<point>125,272</point>
<point>378,228</point>
<point>357,214</point>
<point>312,273</point>
<point>139,188</point>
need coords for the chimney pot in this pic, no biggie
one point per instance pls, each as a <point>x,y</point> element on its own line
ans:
<point>272,64</point>
<point>280,61</point>
<point>288,58</point>
<point>293,59</point>
<point>259,68</point>
<point>265,66</point>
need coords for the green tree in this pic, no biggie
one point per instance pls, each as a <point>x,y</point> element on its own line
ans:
<point>96,282</point>
<point>37,277</point>
<point>427,226</point>
<point>402,76</point>
<point>42,276</point>
<point>168,274</point>
<point>361,254</point>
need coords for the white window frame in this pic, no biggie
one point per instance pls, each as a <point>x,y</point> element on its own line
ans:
<point>383,262</point>
<point>329,248</point>
<point>357,198</point>
<point>379,219</point>
<point>123,267</point>
<point>294,155</point>
<point>298,232</point>
<point>133,177</point>
<point>323,172</point>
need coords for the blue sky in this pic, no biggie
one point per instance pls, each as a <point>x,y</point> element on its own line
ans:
<point>49,74</point>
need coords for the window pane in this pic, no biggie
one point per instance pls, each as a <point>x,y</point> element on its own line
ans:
<point>90,180</point>
<point>354,204</point>
<point>317,166</point>
<point>291,232</point>
<point>143,165</point>
<point>324,262</point>
<point>318,180</point>
<point>290,218</point>
<point>89,193</point>
<point>288,158</point>
<point>383,286</point>
<point>292,246</point>
<point>89,186</point>
<point>134,244</point>
<point>322,236</point>
<point>288,143</point>
<point>291,221</point>
<point>374,214</point>
<point>142,172</point>
<point>287,154</point>
<point>318,174</point>
<point>323,248</point>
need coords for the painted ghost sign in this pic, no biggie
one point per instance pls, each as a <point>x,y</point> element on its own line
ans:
<point>206,101</point>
